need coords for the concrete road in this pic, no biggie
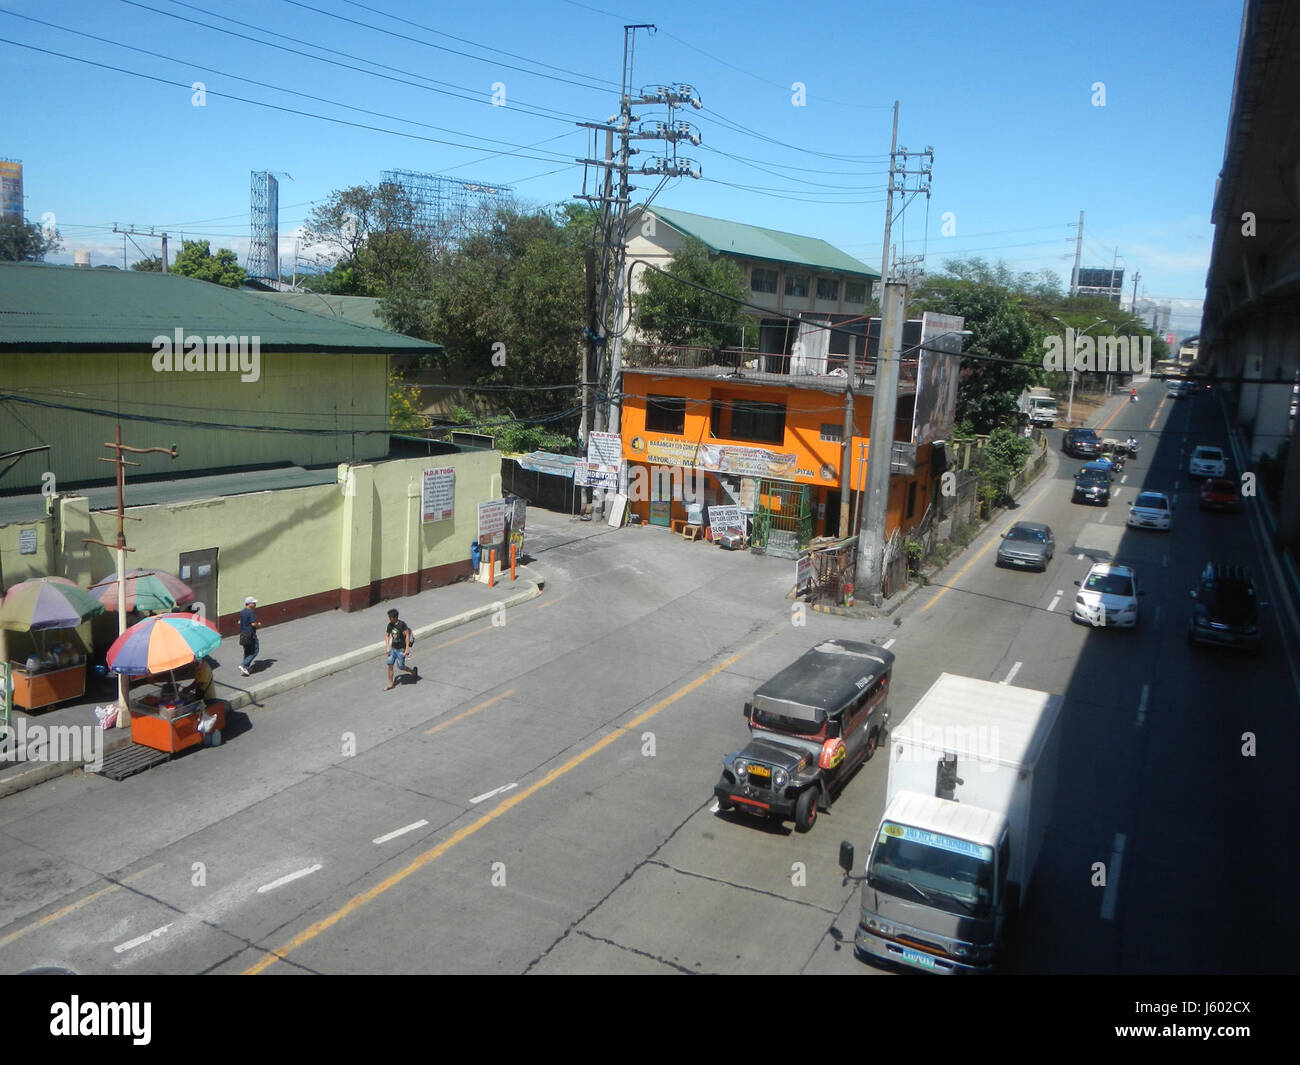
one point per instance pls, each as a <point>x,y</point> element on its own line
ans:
<point>540,801</point>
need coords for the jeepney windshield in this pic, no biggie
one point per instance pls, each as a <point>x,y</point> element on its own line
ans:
<point>785,716</point>
<point>953,875</point>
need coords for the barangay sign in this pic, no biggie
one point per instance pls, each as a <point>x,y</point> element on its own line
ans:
<point>437,494</point>
<point>491,523</point>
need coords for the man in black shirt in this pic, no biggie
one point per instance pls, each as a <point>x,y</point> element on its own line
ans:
<point>397,642</point>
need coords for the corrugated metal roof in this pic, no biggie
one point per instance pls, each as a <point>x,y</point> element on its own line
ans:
<point>754,242</point>
<point>63,308</point>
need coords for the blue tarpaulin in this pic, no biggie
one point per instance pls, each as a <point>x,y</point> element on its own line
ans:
<point>549,462</point>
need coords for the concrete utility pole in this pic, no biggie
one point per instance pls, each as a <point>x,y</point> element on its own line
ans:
<point>1078,257</point>
<point>124,714</point>
<point>131,231</point>
<point>603,357</point>
<point>872,536</point>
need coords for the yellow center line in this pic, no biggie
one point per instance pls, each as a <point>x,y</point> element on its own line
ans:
<point>49,917</point>
<point>475,632</point>
<point>357,901</point>
<point>552,602</point>
<point>472,710</point>
<point>1151,424</point>
<point>1020,516</point>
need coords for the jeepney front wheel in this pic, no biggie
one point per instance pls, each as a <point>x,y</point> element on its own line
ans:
<point>805,810</point>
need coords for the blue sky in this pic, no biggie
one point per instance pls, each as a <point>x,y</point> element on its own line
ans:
<point>1002,91</point>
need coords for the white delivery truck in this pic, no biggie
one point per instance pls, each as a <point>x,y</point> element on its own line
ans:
<point>972,778</point>
<point>1038,406</point>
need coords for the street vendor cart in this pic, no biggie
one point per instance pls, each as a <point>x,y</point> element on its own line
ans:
<point>47,673</point>
<point>164,717</point>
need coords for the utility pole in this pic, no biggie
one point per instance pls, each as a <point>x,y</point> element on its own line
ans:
<point>1078,256</point>
<point>1136,275</point>
<point>872,536</point>
<point>606,358</point>
<point>131,231</point>
<point>124,710</point>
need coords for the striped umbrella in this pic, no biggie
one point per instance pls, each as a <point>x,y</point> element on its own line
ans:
<point>148,591</point>
<point>162,642</point>
<point>47,603</point>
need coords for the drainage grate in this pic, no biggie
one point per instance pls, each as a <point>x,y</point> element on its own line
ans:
<point>129,760</point>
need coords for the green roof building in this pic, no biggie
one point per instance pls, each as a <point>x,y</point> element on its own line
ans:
<point>230,378</point>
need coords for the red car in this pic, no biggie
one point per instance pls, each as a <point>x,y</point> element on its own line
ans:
<point>1218,493</point>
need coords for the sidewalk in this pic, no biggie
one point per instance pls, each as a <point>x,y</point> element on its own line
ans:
<point>292,654</point>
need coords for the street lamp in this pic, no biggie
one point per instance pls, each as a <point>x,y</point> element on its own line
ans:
<point>1069,409</point>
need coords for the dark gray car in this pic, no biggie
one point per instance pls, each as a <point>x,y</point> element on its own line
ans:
<point>1027,543</point>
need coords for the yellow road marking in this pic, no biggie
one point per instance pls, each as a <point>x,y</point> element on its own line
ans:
<point>1020,516</point>
<point>472,710</point>
<point>552,602</point>
<point>50,917</point>
<point>357,901</point>
<point>1152,422</point>
<point>475,632</point>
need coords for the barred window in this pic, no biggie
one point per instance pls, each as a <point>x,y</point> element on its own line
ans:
<point>761,280</point>
<point>828,289</point>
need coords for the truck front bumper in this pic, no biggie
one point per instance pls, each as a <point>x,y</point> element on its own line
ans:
<point>754,800</point>
<point>870,944</point>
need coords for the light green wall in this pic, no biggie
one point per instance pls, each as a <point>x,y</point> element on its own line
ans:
<point>279,545</point>
<point>293,391</point>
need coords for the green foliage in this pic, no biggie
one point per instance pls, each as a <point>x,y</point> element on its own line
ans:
<point>150,265</point>
<point>26,242</point>
<point>404,411</point>
<point>508,305</point>
<point>197,260</point>
<point>1001,458</point>
<point>513,437</point>
<point>669,312</point>
<point>915,554</point>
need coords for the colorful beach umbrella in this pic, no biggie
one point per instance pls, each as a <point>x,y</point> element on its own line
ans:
<point>47,603</point>
<point>162,642</point>
<point>148,591</point>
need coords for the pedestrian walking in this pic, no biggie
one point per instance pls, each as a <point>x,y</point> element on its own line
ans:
<point>397,643</point>
<point>248,626</point>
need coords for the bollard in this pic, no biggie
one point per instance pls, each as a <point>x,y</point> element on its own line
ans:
<point>492,568</point>
<point>514,552</point>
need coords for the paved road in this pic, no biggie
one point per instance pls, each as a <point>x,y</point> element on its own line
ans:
<point>541,800</point>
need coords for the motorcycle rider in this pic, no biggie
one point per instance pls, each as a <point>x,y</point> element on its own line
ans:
<point>1132,395</point>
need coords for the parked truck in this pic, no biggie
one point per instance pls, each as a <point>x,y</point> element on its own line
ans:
<point>972,778</point>
<point>1038,406</point>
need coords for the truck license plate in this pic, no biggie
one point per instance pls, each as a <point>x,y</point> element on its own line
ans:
<point>916,958</point>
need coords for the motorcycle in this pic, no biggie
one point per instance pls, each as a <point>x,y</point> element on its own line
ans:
<point>1131,447</point>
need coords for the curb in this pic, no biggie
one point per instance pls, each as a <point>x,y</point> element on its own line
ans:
<point>41,772</point>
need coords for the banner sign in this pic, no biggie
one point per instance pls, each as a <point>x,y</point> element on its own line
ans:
<point>725,519</point>
<point>720,458</point>
<point>491,523</point>
<point>604,448</point>
<point>437,494</point>
<point>803,572</point>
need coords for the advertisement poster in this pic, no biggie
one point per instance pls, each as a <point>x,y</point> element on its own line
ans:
<point>725,519</point>
<point>936,377</point>
<point>517,521</point>
<point>719,458</point>
<point>605,448</point>
<point>437,494</point>
<point>491,523</point>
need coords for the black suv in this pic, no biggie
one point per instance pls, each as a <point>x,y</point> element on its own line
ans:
<point>810,727</point>
<point>1226,610</point>
<point>1081,443</point>
<point>1092,485</point>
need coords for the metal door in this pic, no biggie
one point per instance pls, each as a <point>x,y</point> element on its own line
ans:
<point>198,569</point>
<point>782,519</point>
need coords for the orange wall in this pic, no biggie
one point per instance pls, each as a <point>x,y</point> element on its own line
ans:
<point>806,411</point>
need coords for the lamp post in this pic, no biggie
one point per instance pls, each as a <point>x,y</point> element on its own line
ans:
<point>1069,409</point>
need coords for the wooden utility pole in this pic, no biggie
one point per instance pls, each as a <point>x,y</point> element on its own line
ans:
<point>124,711</point>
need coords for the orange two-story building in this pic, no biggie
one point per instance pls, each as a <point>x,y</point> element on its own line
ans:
<point>737,428</point>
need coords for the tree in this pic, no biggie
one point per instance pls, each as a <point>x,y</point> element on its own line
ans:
<point>150,265</point>
<point>26,242</point>
<point>507,304</point>
<point>197,260</point>
<point>404,412</point>
<point>697,302</point>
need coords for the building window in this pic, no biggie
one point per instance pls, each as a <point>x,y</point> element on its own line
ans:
<point>715,419</point>
<point>763,422</point>
<point>796,284</point>
<point>833,433</point>
<point>828,289</point>
<point>911,499</point>
<point>761,280</point>
<point>665,414</point>
<point>855,292</point>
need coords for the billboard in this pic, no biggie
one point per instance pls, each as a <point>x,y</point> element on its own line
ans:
<point>937,372</point>
<point>11,190</point>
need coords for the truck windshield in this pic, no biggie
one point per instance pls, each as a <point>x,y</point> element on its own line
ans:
<point>949,874</point>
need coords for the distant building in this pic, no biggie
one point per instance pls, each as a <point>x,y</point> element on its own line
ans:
<point>1155,316</point>
<point>11,190</point>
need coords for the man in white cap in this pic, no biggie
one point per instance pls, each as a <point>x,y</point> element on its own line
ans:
<point>248,626</point>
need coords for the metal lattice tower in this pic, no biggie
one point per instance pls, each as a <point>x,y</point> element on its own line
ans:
<point>264,219</point>
<point>447,208</point>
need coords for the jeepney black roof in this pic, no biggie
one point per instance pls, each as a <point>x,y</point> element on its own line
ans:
<point>825,677</point>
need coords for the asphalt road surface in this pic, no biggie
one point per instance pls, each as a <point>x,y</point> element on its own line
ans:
<point>541,801</point>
